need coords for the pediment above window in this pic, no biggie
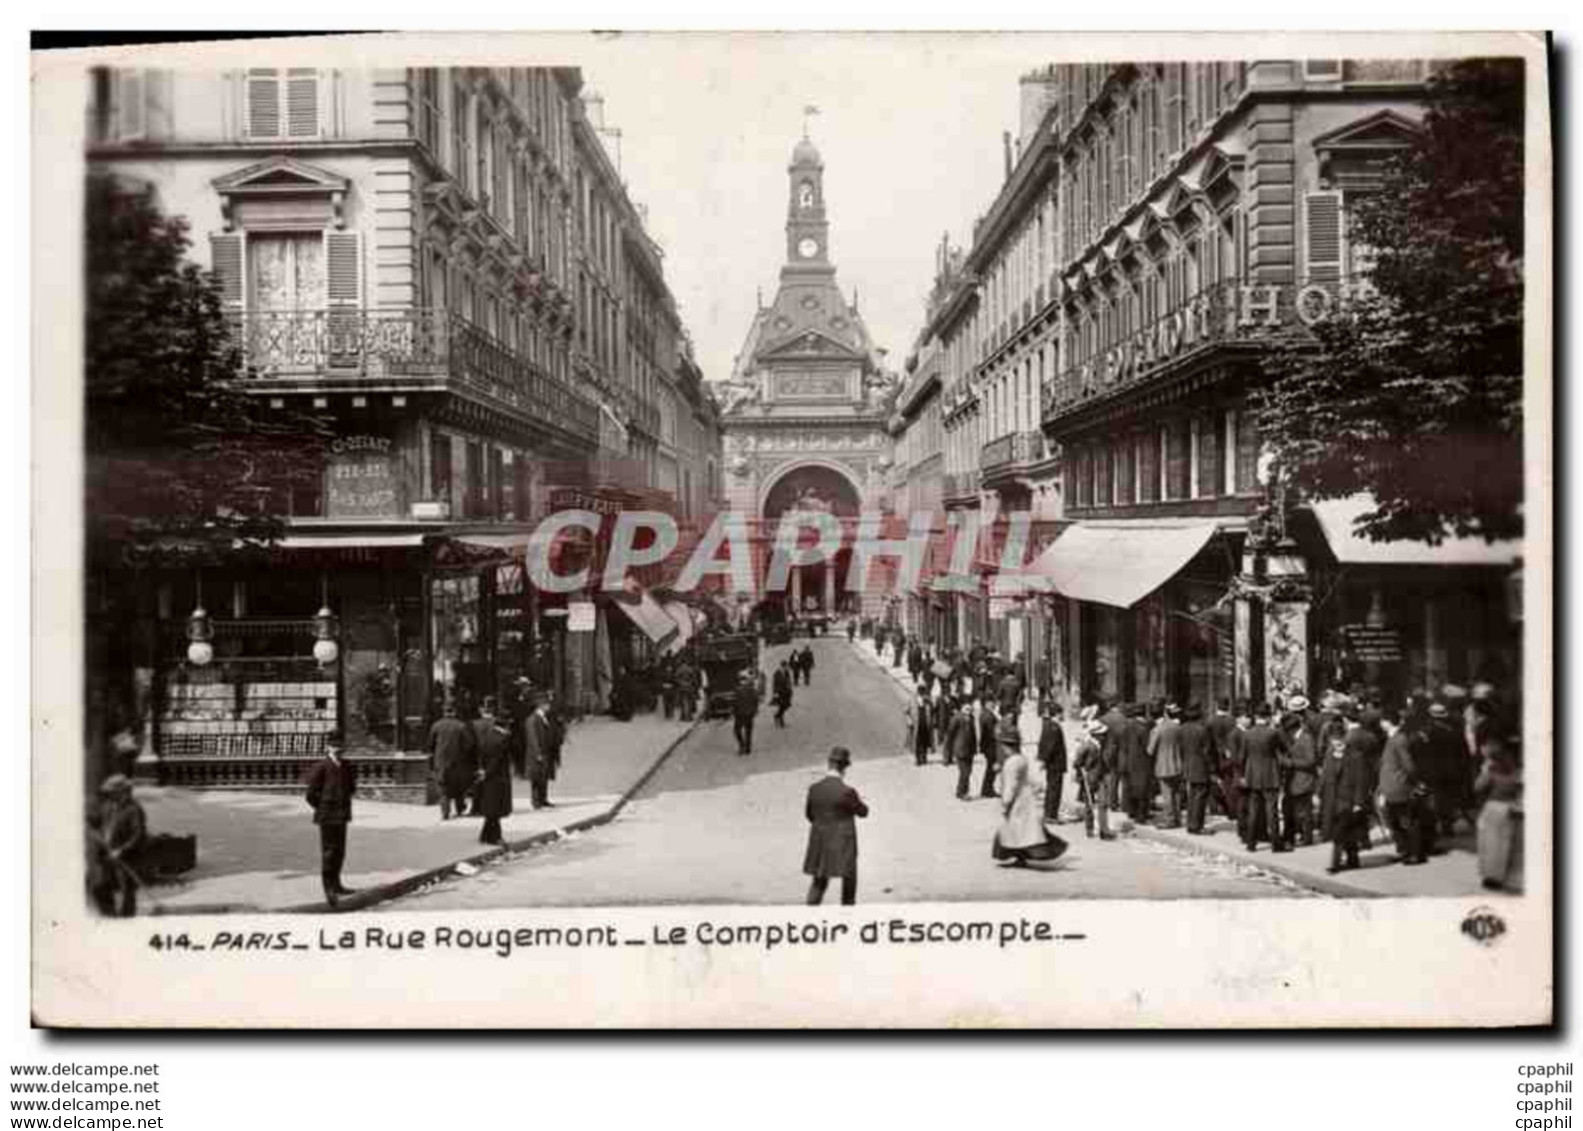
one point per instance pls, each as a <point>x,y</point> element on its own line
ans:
<point>282,192</point>
<point>1351,156</point>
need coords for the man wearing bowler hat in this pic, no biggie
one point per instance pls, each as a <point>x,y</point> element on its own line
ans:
<point>331,783</point>
<point>832,809</point>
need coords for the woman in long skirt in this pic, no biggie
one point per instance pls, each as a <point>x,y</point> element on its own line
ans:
<point>1500,824</point>
<point>1022,836</point>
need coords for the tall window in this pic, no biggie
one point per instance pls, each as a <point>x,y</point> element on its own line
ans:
<point>440,468</point>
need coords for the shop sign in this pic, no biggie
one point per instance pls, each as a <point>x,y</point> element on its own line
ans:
<point>1369,644</point>
<point>362,478</point>
<point>577,499</point>
<point>580,616</point>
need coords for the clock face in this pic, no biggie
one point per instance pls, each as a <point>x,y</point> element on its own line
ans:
<point>808,248</point>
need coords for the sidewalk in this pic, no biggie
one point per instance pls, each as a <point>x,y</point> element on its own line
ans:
<point>1454,873</point>
<point>260,852</point>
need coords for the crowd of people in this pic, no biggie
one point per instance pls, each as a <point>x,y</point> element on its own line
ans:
<point>1294,773</point>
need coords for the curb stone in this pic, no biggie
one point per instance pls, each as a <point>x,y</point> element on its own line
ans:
<point>1323,884</point>
<point>383,893</point>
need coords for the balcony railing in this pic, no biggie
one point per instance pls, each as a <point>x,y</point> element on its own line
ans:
<point>1013,450</point>
<point>1227,313</point>
<point>960,484</point>
<point>374,344</point>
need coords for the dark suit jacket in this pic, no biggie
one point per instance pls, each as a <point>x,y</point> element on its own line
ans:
<point>745,704</point>
<point>1398,774</point>
<point>493,798</point>
<point>542,743</point>
<point>1130,756</point>
<point>1262,750</point>
<point>1301,764</point>
<point>1052,746</point>
<point>962,737</point>
<point>1344,782</point>
<point>330,789</point>
<point>452,743</point>
<point>1221,728</point>
<point>832,838</point>
<point>1198,752</point>
<point>782,686</point>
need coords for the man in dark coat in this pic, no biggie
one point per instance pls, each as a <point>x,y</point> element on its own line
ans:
<point>543,740</point>
<point>1010,692</point>
<point>1223,734</point>
<point>962,743</point>
<point>781,691</point>
<point>1127,751</point>
<point>807,663</point>
<point>1198,766</point>
<point>744,708</point>
<point>1445,764</point>
<point>1052,756</point>
<point>451,755</point>
<point>117,829</point>
<point>331,783</point>
<point>1263,748</point>
<point>1115,720</point>
<point>1300,768</point>
<point>988,746</point>
<point>492,794</point>
<point>686,689</point>
<point>1403,790</point>
<point>1345,783</point>
<point>832,834</point>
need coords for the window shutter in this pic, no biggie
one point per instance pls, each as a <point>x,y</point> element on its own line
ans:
<point>263,102</point>
<point>302,102</point>
<point>343,268</point>
<point>343,290</point>
<point>1322,224</point>
<point>1247,452</point>
<point>1208,459</point>
<point>225,253</point>
<point>158,103</point>
<point>1176,447</point>
<point>130,102</point>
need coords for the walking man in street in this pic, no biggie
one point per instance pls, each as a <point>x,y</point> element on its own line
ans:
<point>744,709</point>
<point>781,692</point>
<point>807,664</point>
<point>451,758</point>
<point>543,740</point>
<point>492,791</point>
<point>962,741</point>
<point>331,783</point>
<point>831,810</point>
<point>988,744</point>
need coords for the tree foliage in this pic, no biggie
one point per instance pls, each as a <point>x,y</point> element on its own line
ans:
<point>180,462</point>
<point>1413,389</point>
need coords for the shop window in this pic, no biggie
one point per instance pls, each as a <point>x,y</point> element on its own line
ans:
<point>473,472</point>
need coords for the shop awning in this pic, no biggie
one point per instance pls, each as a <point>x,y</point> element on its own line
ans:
<point>515,541</point>
<point>682,617</point>
<point>1118,563</point>
<point>1338,516</point>
<point>645,612</point>
<point>352,540</point>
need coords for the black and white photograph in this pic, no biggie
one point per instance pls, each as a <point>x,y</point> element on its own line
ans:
<point>799,482</point>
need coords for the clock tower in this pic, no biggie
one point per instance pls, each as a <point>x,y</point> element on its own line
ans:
<point>807,229</point>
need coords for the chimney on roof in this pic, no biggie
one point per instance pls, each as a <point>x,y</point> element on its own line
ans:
<point>1036,94</point>
<point>1005,145</point>
<point>594,107</point>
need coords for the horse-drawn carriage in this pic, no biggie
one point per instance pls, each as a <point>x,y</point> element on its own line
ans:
<point>722,659</point>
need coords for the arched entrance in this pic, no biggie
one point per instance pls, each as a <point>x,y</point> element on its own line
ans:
<point>817,590</point>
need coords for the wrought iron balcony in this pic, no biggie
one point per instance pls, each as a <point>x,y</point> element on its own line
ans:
<point>1011,452</point>
<point>1225,315</point>
<point>960,485</point>
<point>394,344</point>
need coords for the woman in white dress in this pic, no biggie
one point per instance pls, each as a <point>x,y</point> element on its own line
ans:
<point>1022,836</point>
